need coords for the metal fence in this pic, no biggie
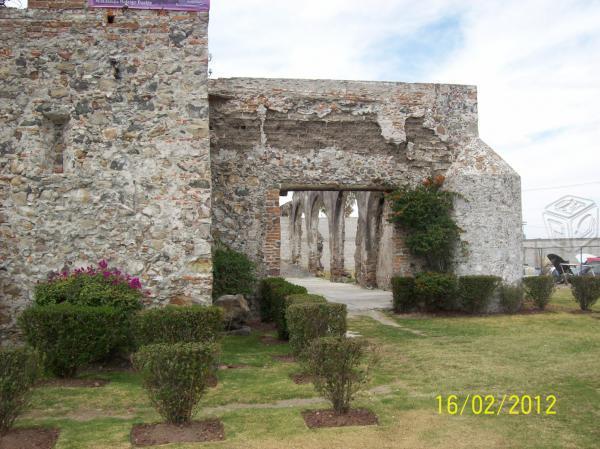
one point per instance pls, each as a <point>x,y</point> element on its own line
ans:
<point>535,253</point>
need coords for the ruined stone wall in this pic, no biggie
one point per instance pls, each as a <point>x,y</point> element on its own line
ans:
<point>268,135</point>
<point>104,149</point>
<point>488,210</point>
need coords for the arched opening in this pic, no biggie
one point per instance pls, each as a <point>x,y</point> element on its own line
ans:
<point>336,234</point>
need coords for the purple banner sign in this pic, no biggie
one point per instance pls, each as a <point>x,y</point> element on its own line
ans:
<point>174,5</point>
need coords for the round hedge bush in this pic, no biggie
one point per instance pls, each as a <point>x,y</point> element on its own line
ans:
<point>586,290</point>
<point>175,376</point>
<point>340,367</point>
<point>539,289</point>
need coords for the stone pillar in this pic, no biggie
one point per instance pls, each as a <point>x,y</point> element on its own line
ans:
<point>272,242</point>
<point>368,234</point>
<point>296,228</point>
<point>312,203</point>
<point>334,208</point>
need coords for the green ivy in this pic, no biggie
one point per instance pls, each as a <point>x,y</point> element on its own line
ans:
<point>425,212</point>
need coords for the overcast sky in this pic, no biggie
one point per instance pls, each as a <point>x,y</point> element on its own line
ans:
<point>536,65</point>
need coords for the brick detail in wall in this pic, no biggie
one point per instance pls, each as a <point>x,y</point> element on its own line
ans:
<point>401,258</point>
<point>57,4</point>
<point>272,245</point>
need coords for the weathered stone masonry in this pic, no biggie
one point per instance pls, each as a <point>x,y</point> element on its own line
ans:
<point>105,153</point>
<point>270,134</point>
<point>104,149</point>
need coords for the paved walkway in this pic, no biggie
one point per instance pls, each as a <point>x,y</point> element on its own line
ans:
<point>358,300</point>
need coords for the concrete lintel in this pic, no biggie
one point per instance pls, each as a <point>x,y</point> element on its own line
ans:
<point>285,188</point>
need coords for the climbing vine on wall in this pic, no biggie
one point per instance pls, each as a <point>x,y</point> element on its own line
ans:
<point>425,212</point>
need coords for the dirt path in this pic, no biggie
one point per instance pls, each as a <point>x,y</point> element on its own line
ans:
<point>290,403</point>
<point>381,318</point>
<point>86,414</point>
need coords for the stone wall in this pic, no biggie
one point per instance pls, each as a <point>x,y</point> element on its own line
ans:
<point>105,153</point>
<point>269,134</point>
<point>104,150</point>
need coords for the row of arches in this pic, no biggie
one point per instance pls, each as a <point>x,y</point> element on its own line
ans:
<point>304,214</point>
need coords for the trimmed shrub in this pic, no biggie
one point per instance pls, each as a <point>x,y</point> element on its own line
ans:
<point>403,289</point>
<point>18,372</point>
<point>91,286</point>
<point>96,287</point>
<point>69,336</point>
<point>436,291</point>
<point>475,292</point>
<point>233,273</point>
<point>586,290</point>
<point>308,321</point>
<point>299,298</point>
<point>272,291</point>
<point>340,366</point>
<point>173,324</point>
<point>175,375</point>
<point>539,289</point>
<point>511,298</point>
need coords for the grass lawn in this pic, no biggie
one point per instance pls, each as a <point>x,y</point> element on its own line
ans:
<point>555,352</point>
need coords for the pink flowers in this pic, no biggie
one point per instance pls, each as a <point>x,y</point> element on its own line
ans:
<point>114,275</point>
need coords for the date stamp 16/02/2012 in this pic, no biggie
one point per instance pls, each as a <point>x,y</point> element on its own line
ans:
<point>492,405</point>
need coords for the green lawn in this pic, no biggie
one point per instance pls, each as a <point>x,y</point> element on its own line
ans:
<point>555,352</point>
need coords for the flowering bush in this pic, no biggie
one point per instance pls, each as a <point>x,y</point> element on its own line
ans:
<point>92,286</point>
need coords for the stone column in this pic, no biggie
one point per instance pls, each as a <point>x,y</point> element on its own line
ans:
<point>334,208</point>
<point>296,228</point>
<point>368,234</point>
<point>312,203</point>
